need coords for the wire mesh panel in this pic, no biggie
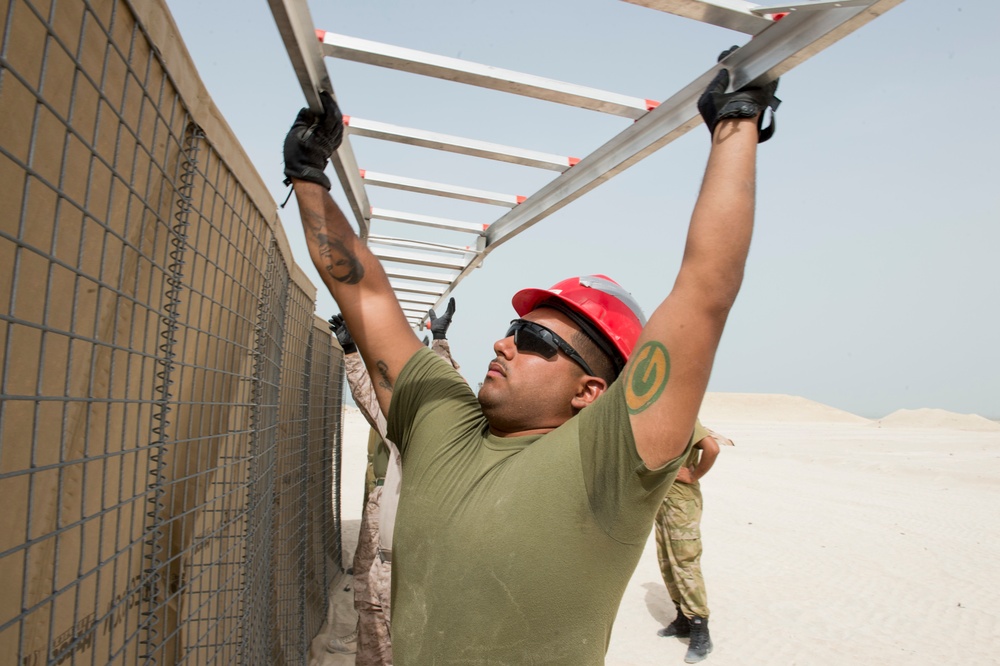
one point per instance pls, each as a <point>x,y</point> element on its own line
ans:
<point>323,517</point>
<point>259,638</point>
<point>90,142</point>
<point>205,472</point>
<point>291,475</point>
<point>169,412</point>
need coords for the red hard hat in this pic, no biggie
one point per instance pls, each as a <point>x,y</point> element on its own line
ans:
<point>600,306</point>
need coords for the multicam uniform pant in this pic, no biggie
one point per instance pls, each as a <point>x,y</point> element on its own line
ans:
<point>678,547</point>
<point>372,583</point>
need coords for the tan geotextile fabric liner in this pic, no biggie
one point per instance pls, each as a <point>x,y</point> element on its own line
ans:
<point>92,312</point>
<point>87,500</point>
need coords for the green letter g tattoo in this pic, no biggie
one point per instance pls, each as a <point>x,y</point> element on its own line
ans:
<point>647,376</point>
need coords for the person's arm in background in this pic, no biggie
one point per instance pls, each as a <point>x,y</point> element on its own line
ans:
<point>439,331</point>
<point>667,374</point>
<point>709,452</point>
<point>358,379</point>
<point>350,271</point>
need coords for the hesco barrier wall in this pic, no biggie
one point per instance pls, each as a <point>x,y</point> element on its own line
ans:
<point>170,416</point>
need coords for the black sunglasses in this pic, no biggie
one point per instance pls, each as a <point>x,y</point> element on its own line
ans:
<point>535,338</point>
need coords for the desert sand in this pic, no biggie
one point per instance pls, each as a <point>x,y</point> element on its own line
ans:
<point>829,539</point>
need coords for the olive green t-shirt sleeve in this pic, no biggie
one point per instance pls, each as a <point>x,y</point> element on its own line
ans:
<point>428,394</point>
<point>624,494</point>
<point>700,432</point>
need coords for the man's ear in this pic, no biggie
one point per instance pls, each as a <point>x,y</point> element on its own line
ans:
<point>589,390</point>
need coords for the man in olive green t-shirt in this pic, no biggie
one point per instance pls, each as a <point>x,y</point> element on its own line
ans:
<point>524,509</point>
<point>372,562</point>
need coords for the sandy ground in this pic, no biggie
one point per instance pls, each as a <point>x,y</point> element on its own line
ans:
<point>829,539</point>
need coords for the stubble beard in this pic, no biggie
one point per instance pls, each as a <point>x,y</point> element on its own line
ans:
<point>488,398</point>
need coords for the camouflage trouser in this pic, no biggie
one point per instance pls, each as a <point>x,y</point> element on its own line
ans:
<point>678,547</point>
<point>371,590</point>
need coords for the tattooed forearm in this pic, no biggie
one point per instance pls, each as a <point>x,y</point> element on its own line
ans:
<point>329,239</point>
<point>338,260</point>
<point>343,265</point>
<point>383,373</point>
<point>313,221</point>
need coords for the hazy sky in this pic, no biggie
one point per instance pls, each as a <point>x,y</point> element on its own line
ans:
<point>873,282</point>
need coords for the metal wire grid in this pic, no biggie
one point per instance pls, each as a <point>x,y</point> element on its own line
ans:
<point>142,366</point>
<point>86,256</point>
<point>259,641</point>
<point>290,476</point>
<point>323,561</point>
<point>205,478</point>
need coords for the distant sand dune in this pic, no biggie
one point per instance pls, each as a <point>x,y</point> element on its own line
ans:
<point>770,407</point>
<point>935,418</point>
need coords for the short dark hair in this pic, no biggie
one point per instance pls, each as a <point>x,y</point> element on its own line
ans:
<point>600,362</point>
<point>596,349</point>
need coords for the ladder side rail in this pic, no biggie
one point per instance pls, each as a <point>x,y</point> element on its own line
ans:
<point>809,6</point>
<point>733,14</point>
<point>296,27</point>
<point>346,167</point>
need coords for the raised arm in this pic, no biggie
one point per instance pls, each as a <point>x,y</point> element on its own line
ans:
<point>358,379</point>
<point>668,372</point>
<point>439,329</point>
<point>350,271</point>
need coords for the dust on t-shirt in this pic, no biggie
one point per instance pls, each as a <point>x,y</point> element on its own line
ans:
<point>512,550</point>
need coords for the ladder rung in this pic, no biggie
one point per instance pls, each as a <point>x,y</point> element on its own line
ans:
<point>441,189</point>
<point>421,245</point>
<point>463,71</point>
<point>457,144</point>
<point>419,258</point>
<point>435,278</point>
<point>428,221</point>
<point>416,289</point>
<point>732,14</point>
<point>415,299</point>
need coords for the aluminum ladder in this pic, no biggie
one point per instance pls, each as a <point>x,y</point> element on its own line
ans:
<point>423,273</point>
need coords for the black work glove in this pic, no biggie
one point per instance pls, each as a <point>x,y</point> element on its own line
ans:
<point>716,104</point>
<point>311,142</point>
<point>339,328</point>
<point>439,325</point>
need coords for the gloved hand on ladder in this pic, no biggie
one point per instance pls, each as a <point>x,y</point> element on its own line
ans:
<point>716,104</point>
<point>311,141</point>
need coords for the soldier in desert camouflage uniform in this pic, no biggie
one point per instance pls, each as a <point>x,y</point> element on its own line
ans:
<point>678,546</point>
